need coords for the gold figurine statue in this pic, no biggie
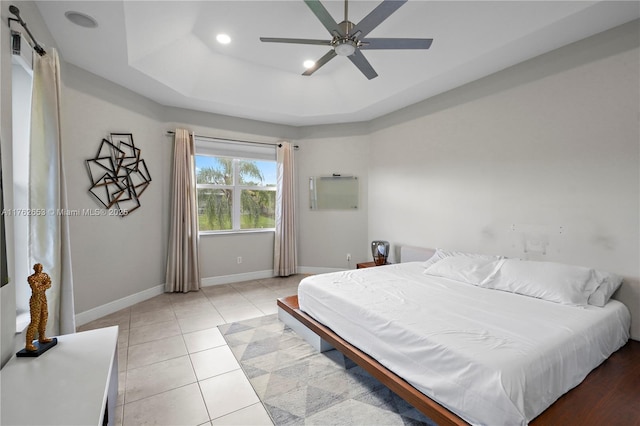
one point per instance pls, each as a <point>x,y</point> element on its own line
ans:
<point>39,283</point>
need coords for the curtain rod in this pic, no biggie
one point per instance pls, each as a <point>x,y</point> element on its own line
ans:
<point>171,133</point>
<point>15,11</point>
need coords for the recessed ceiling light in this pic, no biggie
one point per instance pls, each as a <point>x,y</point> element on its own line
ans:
<point>308,64</point>
<point>81,19</point>
<point>223,39</point>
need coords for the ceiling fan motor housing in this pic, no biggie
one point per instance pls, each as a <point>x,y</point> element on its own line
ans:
<point>345,45</point>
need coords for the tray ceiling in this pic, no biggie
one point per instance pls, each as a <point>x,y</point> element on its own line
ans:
<point>167,51</point>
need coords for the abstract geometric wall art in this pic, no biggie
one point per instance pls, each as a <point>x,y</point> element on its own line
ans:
<point>118,174</point>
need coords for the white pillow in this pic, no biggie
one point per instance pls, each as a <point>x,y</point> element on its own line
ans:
<point>609,283</point>
<point>470,270</point>
<point>441,254</point>
<point>555,282</point>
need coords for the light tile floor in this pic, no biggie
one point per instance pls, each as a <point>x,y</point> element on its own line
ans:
<point>175,367</point>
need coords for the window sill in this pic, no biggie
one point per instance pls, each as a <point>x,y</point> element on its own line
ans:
<point>236,232</point>
<point>22,321</point>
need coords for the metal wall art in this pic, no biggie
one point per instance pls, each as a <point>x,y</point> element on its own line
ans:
<point>118,174</point>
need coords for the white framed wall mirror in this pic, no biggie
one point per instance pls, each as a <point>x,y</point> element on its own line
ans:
<point>335,192</point>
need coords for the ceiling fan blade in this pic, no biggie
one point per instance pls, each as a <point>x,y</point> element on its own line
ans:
<point>327,20</point>
<point>320,62</point>
<point>376,16</point>
<point>295,41</point>
<point>396,43</point>
<point>363,65</point>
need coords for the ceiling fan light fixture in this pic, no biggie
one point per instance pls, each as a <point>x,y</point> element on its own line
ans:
<point>308,64</point>
<point>344,47</point>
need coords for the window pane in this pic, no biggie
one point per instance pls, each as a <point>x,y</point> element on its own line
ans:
<point>214,209</point>
<point>257,172</point>
<point>215,170</point>
<point>257,209</point>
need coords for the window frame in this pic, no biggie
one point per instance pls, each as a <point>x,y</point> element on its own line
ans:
<point>236,190</point>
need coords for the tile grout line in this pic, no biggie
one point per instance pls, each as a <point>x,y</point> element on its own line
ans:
<point>248,302</point>
<point>204,401</point>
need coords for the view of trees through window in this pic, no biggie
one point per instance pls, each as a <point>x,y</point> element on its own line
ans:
<point>235,194</point>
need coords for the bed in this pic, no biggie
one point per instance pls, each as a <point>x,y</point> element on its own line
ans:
<point>487,355</point>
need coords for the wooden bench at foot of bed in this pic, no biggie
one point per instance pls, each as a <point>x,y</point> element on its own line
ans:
<point>608,395</point>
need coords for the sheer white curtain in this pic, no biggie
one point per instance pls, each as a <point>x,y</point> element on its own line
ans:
<point>49,232</point>
<point>284,253</point>
<point>183,272</point>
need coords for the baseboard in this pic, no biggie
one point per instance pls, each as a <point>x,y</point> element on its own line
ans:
<point>236,278</point>
<point>111,307</point>
<point>317,270</point>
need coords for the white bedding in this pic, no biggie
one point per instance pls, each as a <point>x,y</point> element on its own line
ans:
<point>491,357</point>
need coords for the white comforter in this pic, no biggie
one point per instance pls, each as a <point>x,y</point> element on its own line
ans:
<point>491,357</point>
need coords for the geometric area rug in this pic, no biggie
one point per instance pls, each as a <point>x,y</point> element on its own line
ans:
<point>300,386</point>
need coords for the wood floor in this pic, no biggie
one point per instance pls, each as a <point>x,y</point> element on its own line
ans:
<point>610,394</point>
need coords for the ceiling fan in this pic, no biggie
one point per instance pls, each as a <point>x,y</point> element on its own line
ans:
<point>348,39</point>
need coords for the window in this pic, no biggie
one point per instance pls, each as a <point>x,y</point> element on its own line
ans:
<point>236,186</point>
<point>22,84</point>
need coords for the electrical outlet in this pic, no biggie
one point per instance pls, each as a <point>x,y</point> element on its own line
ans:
<point>239,260</point>
<point>348,257</point>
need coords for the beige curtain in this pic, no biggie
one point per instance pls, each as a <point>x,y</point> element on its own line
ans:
<point>285,258</point>
<point>49,231</point>
<point>183,271</point>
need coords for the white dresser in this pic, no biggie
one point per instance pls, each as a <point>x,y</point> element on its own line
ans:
<point>73,383</point>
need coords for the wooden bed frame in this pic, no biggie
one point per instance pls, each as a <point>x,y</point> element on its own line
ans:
<point>608,395</point>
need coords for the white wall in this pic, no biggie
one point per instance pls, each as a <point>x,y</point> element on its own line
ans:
<point>219,254</point>
<point>326,236</point>
<point>539,161</point>
<point>113,257</point>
